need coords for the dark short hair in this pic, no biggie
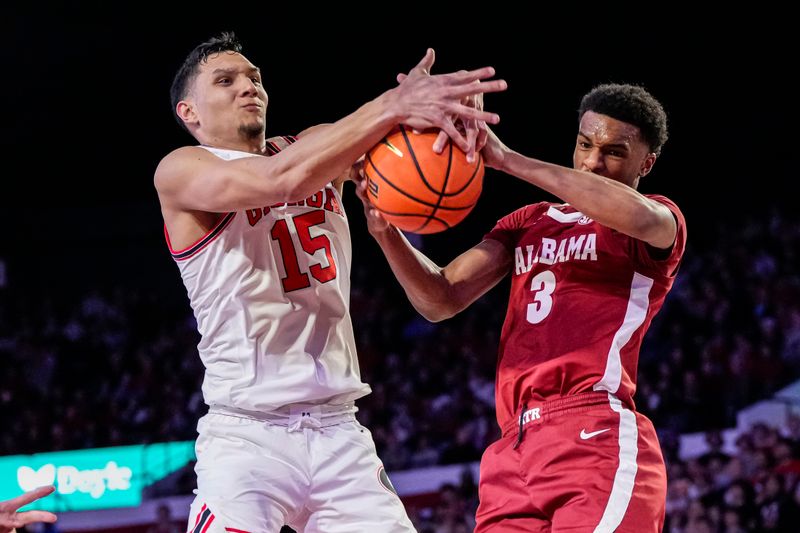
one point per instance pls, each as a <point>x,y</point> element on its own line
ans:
<point>224,42</point>
<point>632,104</point>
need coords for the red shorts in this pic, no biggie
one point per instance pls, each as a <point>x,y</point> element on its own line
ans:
<point>585,463</point>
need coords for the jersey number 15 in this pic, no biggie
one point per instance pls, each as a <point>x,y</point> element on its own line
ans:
<point>296,279</point>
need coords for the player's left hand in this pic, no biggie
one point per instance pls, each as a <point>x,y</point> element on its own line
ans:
<point>475,131</point>
<point>10,518</point>
<point>375,222</point>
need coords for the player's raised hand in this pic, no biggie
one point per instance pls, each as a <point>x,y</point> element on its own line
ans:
<point>10,518</point>
<point>475,130</point>
<point>427,101</point>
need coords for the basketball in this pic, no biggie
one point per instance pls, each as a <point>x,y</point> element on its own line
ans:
<point>418,190</point>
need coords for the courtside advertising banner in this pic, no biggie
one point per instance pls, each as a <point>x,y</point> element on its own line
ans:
<point>98,478</point>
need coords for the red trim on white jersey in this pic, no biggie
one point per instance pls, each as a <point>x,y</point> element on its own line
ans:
<point>202,242</point>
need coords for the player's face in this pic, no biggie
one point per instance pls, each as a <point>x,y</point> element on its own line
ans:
<point>611,148</point>
<point>229,98</point>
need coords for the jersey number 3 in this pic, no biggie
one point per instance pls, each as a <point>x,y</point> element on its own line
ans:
<point>543,285</point>
<point>296,279</point>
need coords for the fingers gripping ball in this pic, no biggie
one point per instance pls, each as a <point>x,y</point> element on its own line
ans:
<point>417,189</point>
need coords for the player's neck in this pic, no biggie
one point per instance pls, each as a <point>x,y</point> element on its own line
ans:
<point>257,145</point>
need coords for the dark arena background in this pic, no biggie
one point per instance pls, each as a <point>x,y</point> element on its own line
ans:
<point>98,357</point>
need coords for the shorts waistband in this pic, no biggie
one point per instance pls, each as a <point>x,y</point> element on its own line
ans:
<point>539,412</point>
<point>324,414</point>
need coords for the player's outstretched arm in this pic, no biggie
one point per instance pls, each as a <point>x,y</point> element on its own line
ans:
<point>607,201</point>
<point>191,178</point>
<point>436,292</point>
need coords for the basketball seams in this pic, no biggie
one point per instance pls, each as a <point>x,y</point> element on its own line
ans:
<point>444,183</point>
<point>372,166</point>
<point>399,192</point>
<point>393,214</point>
<point>469,181</point>
<point>443,192</point>
<point>404,193</point>
<point>416,162</point>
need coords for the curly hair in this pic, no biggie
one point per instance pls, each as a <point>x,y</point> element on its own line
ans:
<point>224,42</point>
<point>632,104</point>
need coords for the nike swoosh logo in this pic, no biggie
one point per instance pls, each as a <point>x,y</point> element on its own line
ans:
<point>585,435</point>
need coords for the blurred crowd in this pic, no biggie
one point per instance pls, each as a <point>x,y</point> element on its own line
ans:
<point>118,366</point>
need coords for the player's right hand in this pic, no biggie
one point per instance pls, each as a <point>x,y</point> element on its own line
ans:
<point>427,101</point>
<point>475,130</point>
<point>375,221</point>
<point>494,151</point>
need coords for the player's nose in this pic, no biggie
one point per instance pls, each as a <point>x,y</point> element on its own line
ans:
<point>248,87</point>
<point>593,161</point>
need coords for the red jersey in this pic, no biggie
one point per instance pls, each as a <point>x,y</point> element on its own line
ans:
<point>582,298</point>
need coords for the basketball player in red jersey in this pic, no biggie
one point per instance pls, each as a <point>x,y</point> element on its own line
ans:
<point>258,232</point>
<point>588,276</point>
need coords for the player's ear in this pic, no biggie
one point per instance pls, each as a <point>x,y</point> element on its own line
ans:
<point>647,164</point>
<point>186,112</point>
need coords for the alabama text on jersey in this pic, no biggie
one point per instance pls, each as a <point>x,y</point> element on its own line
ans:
<point>582,297</point>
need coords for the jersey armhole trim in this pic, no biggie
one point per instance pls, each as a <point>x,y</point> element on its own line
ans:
<point>199,244</point>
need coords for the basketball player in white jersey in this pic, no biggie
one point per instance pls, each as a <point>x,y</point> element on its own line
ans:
<point>257,229</point>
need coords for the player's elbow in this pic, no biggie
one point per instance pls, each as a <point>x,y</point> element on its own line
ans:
<point>656,225</point>
<point>437,309</point>
<point>435,314</point>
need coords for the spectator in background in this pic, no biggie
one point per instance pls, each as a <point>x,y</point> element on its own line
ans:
<point>164,522</point>
<point>715,443</point>
<point>11,518</point>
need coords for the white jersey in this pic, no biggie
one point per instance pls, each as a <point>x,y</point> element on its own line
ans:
<point>270,290</point>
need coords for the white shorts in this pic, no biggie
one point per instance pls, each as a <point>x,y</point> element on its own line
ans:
<point>315,469</point>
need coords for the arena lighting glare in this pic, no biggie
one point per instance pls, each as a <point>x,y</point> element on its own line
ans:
<point>98,478</point>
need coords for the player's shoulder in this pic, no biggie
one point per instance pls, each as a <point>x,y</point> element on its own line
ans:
<point>183,154</point>
<point>532,210</point>
<point>180,162</point>
<point>276,144</point>
<point>660,198</point>
<point>669,203</point>
<point>523,216</point>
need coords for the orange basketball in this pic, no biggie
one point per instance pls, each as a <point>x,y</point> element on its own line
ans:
<point>417,189</point>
